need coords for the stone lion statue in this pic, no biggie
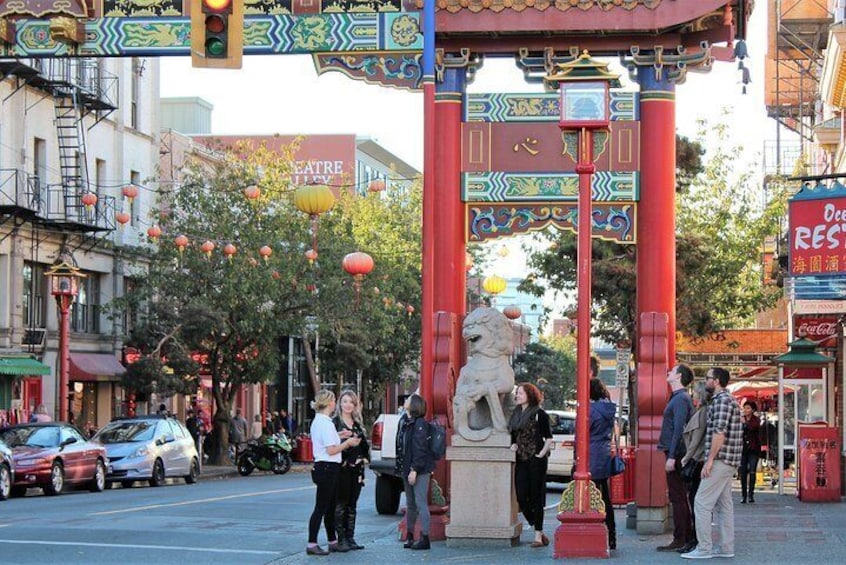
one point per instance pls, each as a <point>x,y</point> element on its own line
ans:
<point>487,379</point>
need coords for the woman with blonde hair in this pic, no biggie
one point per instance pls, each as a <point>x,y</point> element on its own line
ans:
<point>327,446</point>
<point>348,423</point>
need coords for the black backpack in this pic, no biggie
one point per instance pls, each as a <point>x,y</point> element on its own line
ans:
<point>437,440</point>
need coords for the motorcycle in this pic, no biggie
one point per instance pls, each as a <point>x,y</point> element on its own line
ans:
<point>268,453</point>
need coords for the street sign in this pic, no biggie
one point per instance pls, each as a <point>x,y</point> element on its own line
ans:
<point>623,358</point>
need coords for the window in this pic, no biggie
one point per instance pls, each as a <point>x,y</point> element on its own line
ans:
<point>39,172</point>
<point>34,291</point>
<point>135,207</point>
<point>85,314</point>
<point>133,102</point>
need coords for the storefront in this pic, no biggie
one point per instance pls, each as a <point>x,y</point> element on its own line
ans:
<point>95,393</point>
<point>20,387</point>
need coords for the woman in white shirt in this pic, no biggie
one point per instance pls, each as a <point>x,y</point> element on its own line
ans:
<point>327,447</point>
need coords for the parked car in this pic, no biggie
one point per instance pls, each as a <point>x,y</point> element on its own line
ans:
<point>561,458</point>
<point>7,471</point>
<point>149,448</point>
<point>52,455</point>
<point>389,485</point>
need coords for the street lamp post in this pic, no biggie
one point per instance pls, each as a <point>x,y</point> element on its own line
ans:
<point>584,85</point>
<point>64,286</point>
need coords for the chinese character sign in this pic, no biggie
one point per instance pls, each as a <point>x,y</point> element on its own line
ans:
<point>817,237</point>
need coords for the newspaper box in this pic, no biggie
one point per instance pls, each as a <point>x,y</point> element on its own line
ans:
<point>819,463</point>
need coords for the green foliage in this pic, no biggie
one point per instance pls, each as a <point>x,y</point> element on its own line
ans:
<point>720,227</point>
<point>551,365</point>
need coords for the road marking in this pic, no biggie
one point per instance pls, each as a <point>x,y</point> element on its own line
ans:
<point>135,546</point>
<point>199,501</point>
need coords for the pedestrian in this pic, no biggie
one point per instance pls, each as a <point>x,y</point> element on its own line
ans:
<point>531,440</point>
<point>723,448</point>
<point>238,432</point>
<point>194,424</point>
<point>256,429</point>
<point>602,431</point>
<point>694,440</point>
<point>328,447</point>
<point>40,415</point>
<point>162,411</point>
<point>347,421</point>
<point>671,441</point>
<point>751,452</point>
<point>417,467</point>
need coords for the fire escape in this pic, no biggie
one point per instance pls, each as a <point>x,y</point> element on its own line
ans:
<point>797,38</point>
<point>82,94</point>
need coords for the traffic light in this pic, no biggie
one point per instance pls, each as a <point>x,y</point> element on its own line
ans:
<point>217,33</point>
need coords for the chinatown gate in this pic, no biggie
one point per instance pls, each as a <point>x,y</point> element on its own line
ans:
<point>501,166</point>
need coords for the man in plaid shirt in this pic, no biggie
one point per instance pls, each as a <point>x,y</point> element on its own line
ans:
<point>723,448</point>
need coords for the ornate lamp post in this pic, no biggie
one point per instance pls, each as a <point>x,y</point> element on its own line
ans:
<point>64,286</point>
<point>584,85</point>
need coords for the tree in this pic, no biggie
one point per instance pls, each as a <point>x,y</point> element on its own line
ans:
<point>226,312</point>
<point>720,228</point>
<point>551,365</point>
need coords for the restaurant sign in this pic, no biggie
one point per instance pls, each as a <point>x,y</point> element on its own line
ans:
<point>817,219</point>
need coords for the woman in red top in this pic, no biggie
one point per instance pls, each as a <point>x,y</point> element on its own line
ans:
<point>751,451</point>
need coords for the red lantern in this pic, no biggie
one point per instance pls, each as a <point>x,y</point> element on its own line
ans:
<point>265,252</point>
<point>130,191</point>
<point>311,255</point>
<point>229,250</point>
<point>153,232</point>
<point>122,218</point>
<point>207,247</point>
<point>89,199</point>
<point>512,312</point>
<point>252,192</point>
<point>181,242</point>
<point>358,264</point>
<point>376,185</point>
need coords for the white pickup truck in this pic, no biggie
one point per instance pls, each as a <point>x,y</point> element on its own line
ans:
<point>389,485</point>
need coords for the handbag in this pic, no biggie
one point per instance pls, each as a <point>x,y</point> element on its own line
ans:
<point>617,464</point>
<point>688,471</point>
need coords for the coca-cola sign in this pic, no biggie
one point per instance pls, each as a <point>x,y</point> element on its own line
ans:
<point>815,327</point>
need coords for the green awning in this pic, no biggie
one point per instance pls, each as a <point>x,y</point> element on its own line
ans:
<point>22,366</point>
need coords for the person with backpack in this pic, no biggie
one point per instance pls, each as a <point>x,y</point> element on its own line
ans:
<point>417,466</point>
<point>531,439</point>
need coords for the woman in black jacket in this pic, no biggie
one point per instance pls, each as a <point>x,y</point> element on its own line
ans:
<point>417,467</point>
<point>348,423</point>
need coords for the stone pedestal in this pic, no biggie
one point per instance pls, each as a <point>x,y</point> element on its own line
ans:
<point>483,507</point>
<point>653,521</point>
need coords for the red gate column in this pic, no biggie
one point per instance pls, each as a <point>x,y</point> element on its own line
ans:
<point>656,282</point>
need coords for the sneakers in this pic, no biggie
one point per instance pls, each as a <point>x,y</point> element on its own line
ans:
<point>697,554</point>
<point>316,550</point>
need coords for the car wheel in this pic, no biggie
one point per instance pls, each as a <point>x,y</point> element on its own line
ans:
<point>387,495</point>
<point>5,482</point>
<point>98,483</point>
<point>158,477</point>
<point>193,472</point>
<point>57,479</point>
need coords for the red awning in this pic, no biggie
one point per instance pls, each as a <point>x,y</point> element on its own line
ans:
<point>95,367</point>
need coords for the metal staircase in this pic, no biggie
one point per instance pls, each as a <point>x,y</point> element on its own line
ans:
<point>72,162</point>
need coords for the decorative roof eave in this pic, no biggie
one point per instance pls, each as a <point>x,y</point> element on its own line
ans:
<point>833,79</point>
<point>41,8</point>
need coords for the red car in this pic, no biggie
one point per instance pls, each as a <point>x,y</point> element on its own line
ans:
<point>52,455</point>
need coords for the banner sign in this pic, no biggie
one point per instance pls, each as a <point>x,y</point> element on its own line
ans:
<point>817,236</point>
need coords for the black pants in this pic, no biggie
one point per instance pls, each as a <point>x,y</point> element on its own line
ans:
<point>349,488</point>
<point>748,469</point>
<point>677,491</point>
<point>325,476</point>
<point>610,523</point>
<point>530,484</point>
<point>692,487</point>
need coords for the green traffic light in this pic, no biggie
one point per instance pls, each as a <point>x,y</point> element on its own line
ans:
<point>215,47</point>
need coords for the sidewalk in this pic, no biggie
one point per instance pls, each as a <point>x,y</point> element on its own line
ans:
<point>775,530</point>
<point>210,472</point>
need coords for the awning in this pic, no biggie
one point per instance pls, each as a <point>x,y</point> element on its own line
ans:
<point>95,367</point>
<point>22,366</point>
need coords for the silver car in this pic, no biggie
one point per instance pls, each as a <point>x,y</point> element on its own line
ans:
<point>149,448</point>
